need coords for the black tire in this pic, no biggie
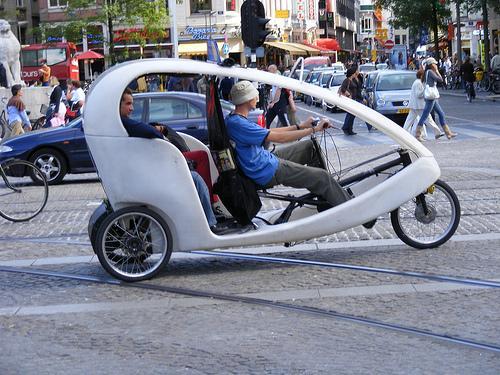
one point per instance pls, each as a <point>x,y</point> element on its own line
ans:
<point>20,198</point>
<point>52,164</point>
<point>411,215</point>
<point>124,248</point>
<point>496,87</point>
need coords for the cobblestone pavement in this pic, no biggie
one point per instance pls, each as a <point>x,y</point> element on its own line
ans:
<point>55,326</point>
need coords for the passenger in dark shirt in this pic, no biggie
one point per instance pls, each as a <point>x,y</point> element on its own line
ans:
<point>142,130</point>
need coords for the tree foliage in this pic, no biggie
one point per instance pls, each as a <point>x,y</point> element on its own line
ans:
<point>150,15</point>
<point>415,14</point>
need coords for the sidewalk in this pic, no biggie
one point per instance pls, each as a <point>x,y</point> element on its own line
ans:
<point>481,95</point>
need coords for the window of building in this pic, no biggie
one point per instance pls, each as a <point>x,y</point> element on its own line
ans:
<point>403,39</point>
<point>20,3</point>
<point>397,39</point>
<point>197,5</point>
<point>230,5</point>
<point>366,25</point>
<point>58,3</point>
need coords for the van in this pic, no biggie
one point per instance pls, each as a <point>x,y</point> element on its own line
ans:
<point>316,62</point>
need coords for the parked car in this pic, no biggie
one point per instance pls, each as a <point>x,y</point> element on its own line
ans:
<point>63,150</point>
<point>391,92</point>
<point>312,78</point>
<point>323,81</point>
<point>382,66</point>
<point>314,62</point>
<point>339,67</point>
<point>366,68</point>
<point>334,84</point>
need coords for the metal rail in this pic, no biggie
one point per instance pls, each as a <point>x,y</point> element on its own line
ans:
<point>262,302</point>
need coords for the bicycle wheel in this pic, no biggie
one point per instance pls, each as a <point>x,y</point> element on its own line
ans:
<point>20,198</point>
<point>423,231</point>
<point>39,123</point>
<point>133,243</point>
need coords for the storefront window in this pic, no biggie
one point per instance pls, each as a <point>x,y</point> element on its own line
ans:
<point>197,5</point>
<point>58,3</point>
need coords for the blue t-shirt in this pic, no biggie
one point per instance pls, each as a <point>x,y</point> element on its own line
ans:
<point>256,162</point>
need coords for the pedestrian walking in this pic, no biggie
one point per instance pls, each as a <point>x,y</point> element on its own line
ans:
<point>416,105</point>
<point>431,97</point>
<point>351,88</point>
<point>225,86</point>
<point>278,102</point>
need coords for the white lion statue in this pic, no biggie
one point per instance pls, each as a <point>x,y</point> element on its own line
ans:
<point>9,54</point>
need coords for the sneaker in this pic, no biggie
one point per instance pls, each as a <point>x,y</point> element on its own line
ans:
<point>437,136</point>
<point>370,224</point>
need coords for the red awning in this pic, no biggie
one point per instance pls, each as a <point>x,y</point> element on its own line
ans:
<point>89,55</point>
<point>329,44</point>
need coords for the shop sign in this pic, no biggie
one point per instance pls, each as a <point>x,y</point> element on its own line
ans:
<point>133,34</point>
<point>381,34</point>
<point>205,33</point>
<point>301,9</point>
<point>311,14</point>
<point>282,14</point>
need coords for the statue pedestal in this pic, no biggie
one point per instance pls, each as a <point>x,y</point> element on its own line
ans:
<point>33,98</point>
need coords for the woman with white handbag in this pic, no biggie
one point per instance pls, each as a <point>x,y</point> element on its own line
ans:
<point>431,95</point>
<point>416,105</point>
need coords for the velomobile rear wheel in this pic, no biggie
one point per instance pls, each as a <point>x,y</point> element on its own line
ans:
<point>133,243</point>
<point>430,226</point>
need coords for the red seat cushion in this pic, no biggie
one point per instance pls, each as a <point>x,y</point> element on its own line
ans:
<point>202,167</point>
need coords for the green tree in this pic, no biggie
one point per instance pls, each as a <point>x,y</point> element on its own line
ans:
<point>151,15</point>
<point>414,14</point>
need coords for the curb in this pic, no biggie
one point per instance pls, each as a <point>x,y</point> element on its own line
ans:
<point>492,98</point>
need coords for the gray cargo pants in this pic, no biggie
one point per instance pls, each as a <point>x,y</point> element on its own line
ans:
<point>292,172</point>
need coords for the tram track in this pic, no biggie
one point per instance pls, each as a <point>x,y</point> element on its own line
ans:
<point>301,309</point>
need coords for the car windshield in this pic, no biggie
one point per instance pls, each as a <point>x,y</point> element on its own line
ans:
<point>337,80</point>
<point>367,68</point>
<point>395,82</point>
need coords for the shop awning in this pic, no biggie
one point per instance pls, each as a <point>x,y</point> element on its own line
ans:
<point>328,43</point>
<point>309,49</point>
<point>200,48</point>
<point>289,47</point>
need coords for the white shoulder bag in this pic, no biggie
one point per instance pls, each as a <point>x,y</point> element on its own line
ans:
<point>430,92</point>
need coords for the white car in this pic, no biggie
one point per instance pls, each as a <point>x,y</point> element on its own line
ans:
<point>334,85</point>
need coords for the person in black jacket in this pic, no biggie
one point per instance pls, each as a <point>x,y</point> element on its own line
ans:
<point>350,88</point>
<point>467,73</point>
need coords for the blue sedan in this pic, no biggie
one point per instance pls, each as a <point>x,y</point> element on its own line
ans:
<point>63,150</point>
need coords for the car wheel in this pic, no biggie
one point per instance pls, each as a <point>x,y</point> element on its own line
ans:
<point>51,163</point>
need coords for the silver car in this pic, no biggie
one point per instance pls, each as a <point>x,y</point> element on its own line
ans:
<point>391,92</point>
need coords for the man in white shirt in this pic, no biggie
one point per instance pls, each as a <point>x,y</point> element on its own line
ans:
<point>76,96</point>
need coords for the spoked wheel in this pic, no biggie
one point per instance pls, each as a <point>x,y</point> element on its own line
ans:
<point>133,243</point>
<point>20,198</point>
<point>428,220</point>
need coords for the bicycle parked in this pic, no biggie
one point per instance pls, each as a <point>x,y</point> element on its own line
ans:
<point>20,198</point>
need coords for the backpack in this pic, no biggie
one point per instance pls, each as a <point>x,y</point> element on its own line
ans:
<point>237,192</point>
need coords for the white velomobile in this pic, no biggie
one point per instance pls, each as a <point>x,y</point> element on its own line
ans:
<point>152,206</point>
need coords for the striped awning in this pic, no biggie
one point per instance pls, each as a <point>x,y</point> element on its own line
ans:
<point>289,47</point>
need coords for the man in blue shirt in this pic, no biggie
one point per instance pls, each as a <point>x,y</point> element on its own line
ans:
<point>286,165</point>
<point>143,130</point>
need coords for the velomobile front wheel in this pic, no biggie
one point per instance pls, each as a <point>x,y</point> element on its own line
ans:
<point>428,220</point>
<point>133,243</point>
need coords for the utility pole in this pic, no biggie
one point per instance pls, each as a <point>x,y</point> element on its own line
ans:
<point>459,33</point>
<point>173,27</point>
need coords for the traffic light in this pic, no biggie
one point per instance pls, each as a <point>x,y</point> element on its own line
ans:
<point>253,23</point>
